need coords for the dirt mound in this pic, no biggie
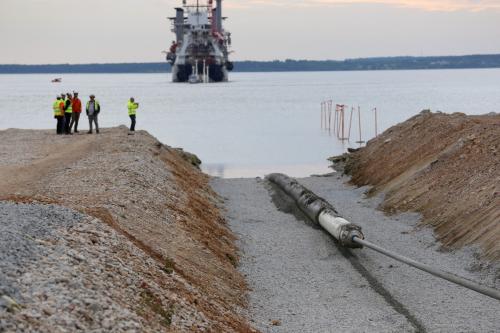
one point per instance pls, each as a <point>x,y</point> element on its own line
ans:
<point>446,167</point>
<point>152,196</point>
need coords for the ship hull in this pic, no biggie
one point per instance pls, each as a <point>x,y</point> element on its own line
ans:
<point>216,73</point>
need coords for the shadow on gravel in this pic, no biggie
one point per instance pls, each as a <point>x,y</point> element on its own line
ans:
<point>287,205</point>
<point>379,288</point>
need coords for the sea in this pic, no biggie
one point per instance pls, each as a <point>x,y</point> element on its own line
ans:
<point>257,123</point>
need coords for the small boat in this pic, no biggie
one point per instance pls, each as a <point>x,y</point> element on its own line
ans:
<point>56,80</point>
<point>193,78</point>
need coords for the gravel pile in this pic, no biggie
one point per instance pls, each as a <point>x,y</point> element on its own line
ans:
<point>64,272</point>
<point>23,230</point>
<point>444,166</point>
<point>150,253</point>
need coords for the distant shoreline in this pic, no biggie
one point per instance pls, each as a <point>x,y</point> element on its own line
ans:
<point>289,65</point>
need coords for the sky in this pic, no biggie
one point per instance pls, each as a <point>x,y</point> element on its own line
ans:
<point>106,31</point>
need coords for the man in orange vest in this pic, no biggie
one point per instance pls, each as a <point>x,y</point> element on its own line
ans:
<point>77,109</point>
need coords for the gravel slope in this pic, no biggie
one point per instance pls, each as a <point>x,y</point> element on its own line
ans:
<point>444,166</point>
<point>155,246</point>
<point>302,282</point>
<point>23,228</point>
<point>52,275</point>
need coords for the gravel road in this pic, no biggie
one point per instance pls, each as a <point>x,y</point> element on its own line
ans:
<point>301,281</point>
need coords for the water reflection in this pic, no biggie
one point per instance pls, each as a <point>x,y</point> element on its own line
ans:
<point>251,171</point>
<point>260,122</point>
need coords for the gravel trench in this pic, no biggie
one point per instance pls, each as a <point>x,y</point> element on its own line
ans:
<point>301,281</point>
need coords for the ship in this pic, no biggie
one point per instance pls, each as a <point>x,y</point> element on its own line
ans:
<point>200,51</point>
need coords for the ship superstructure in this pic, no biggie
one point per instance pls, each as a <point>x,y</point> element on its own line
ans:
<point>200,52</point>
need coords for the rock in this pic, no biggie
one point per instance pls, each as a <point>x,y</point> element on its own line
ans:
<point>353,150</point>
<point>79,325</point>
<point>9,304</point>
<point>48,310</point>
<point>107,323</point>
<point>189,157</point>
<point>95,307</point>
<point>276,322</point>
<point>336,159</point>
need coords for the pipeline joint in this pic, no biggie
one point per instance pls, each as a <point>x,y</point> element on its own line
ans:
<point>347,235</point>
<point>319,210</point>
<point>341,229</point>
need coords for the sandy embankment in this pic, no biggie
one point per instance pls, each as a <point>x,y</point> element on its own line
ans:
<point>446,167</point>
<point>148,251</point>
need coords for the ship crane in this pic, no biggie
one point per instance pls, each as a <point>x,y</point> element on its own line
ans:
<point>200,52</point>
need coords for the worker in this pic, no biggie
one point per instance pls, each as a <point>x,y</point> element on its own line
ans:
<point>173,47</point>
<point>77,109</point>
<point>68,110</point>
<point>92,109</point>
<point>63,99</point>
<point>132,111</point>
<point>58,108</point>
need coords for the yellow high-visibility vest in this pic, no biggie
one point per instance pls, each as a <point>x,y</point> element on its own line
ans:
<point>70,108</point>
<point>56,107</point>
<point>132,108</point>
<point>97,107</point>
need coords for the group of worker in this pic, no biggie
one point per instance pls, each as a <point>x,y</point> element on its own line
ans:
<point>68,107</point>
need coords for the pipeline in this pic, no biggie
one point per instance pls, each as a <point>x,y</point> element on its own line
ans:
<point>350,235</point>
<point>319,211</point>
<point>493,293</point>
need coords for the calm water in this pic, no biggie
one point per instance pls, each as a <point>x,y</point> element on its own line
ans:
<point>259,122</point>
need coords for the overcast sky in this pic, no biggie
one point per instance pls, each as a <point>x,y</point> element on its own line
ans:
<point>89,31</point>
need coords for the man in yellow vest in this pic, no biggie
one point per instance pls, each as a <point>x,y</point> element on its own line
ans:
<point>93,108</point>
<point>132,111</point>
<point>58,108</point>
<point>63,101</point>
<point>68,110</point>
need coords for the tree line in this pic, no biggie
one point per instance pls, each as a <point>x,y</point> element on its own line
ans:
<point>288,65</point>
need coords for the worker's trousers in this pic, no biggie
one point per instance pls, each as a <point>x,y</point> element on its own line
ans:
<point>75,117</point>
<point>60,124</point>
<point>67,121</point>
<point>132,124</point>
<point>93,120</point>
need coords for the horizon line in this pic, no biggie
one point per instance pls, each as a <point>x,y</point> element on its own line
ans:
<point>274,60</point>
